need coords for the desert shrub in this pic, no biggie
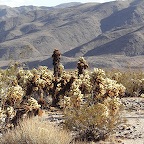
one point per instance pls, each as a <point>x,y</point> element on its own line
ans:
<point>36,131</point>
<point>94,122</point>
<point>132,80</point>
<point>96,114</point>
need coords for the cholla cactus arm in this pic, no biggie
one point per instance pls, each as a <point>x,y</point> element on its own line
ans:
<point>56,62</point>
<point>74,94</point>
<point>65,89</point>
<point>61,69</point>
<point>33,104</point>
<point>14,95</point>
<point>86,86</point>
<point>81,65</point>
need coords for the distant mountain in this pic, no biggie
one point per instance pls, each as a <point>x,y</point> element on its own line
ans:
<point>6,12</point>
<point>25,9</point>
<point>66,5</point>
<point>112,31</point>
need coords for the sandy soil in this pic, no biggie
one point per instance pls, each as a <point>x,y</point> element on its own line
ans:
<point>134,114</point>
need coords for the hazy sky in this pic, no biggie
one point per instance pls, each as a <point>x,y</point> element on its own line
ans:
<point>15,3</point>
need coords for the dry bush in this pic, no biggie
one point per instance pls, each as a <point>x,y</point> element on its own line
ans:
<point>95,116</point>
<point>36,131</point>
<point>132,80</point>
<point>94,122</point>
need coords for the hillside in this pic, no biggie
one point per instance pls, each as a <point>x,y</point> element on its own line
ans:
<point>99,32</point>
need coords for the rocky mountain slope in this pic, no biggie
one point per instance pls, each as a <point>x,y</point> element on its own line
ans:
<point>108,35</point>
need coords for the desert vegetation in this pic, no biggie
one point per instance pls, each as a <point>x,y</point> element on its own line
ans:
<point>36,131</point>
<point>90,101</point>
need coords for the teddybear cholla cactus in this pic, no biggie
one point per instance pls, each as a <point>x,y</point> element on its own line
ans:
<point>88,98</point>
<point>56,62</point>
<point>81,65</point>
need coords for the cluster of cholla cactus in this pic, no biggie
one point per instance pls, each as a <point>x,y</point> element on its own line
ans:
<point>90,99</point>
<point>104,87</point>
<point>92,85</point>
<point>20,92</point>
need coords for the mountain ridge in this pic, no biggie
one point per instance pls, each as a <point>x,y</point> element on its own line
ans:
<point>91,30</point>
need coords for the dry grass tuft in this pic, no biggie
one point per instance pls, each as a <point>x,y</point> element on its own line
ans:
<point>36,131</point>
